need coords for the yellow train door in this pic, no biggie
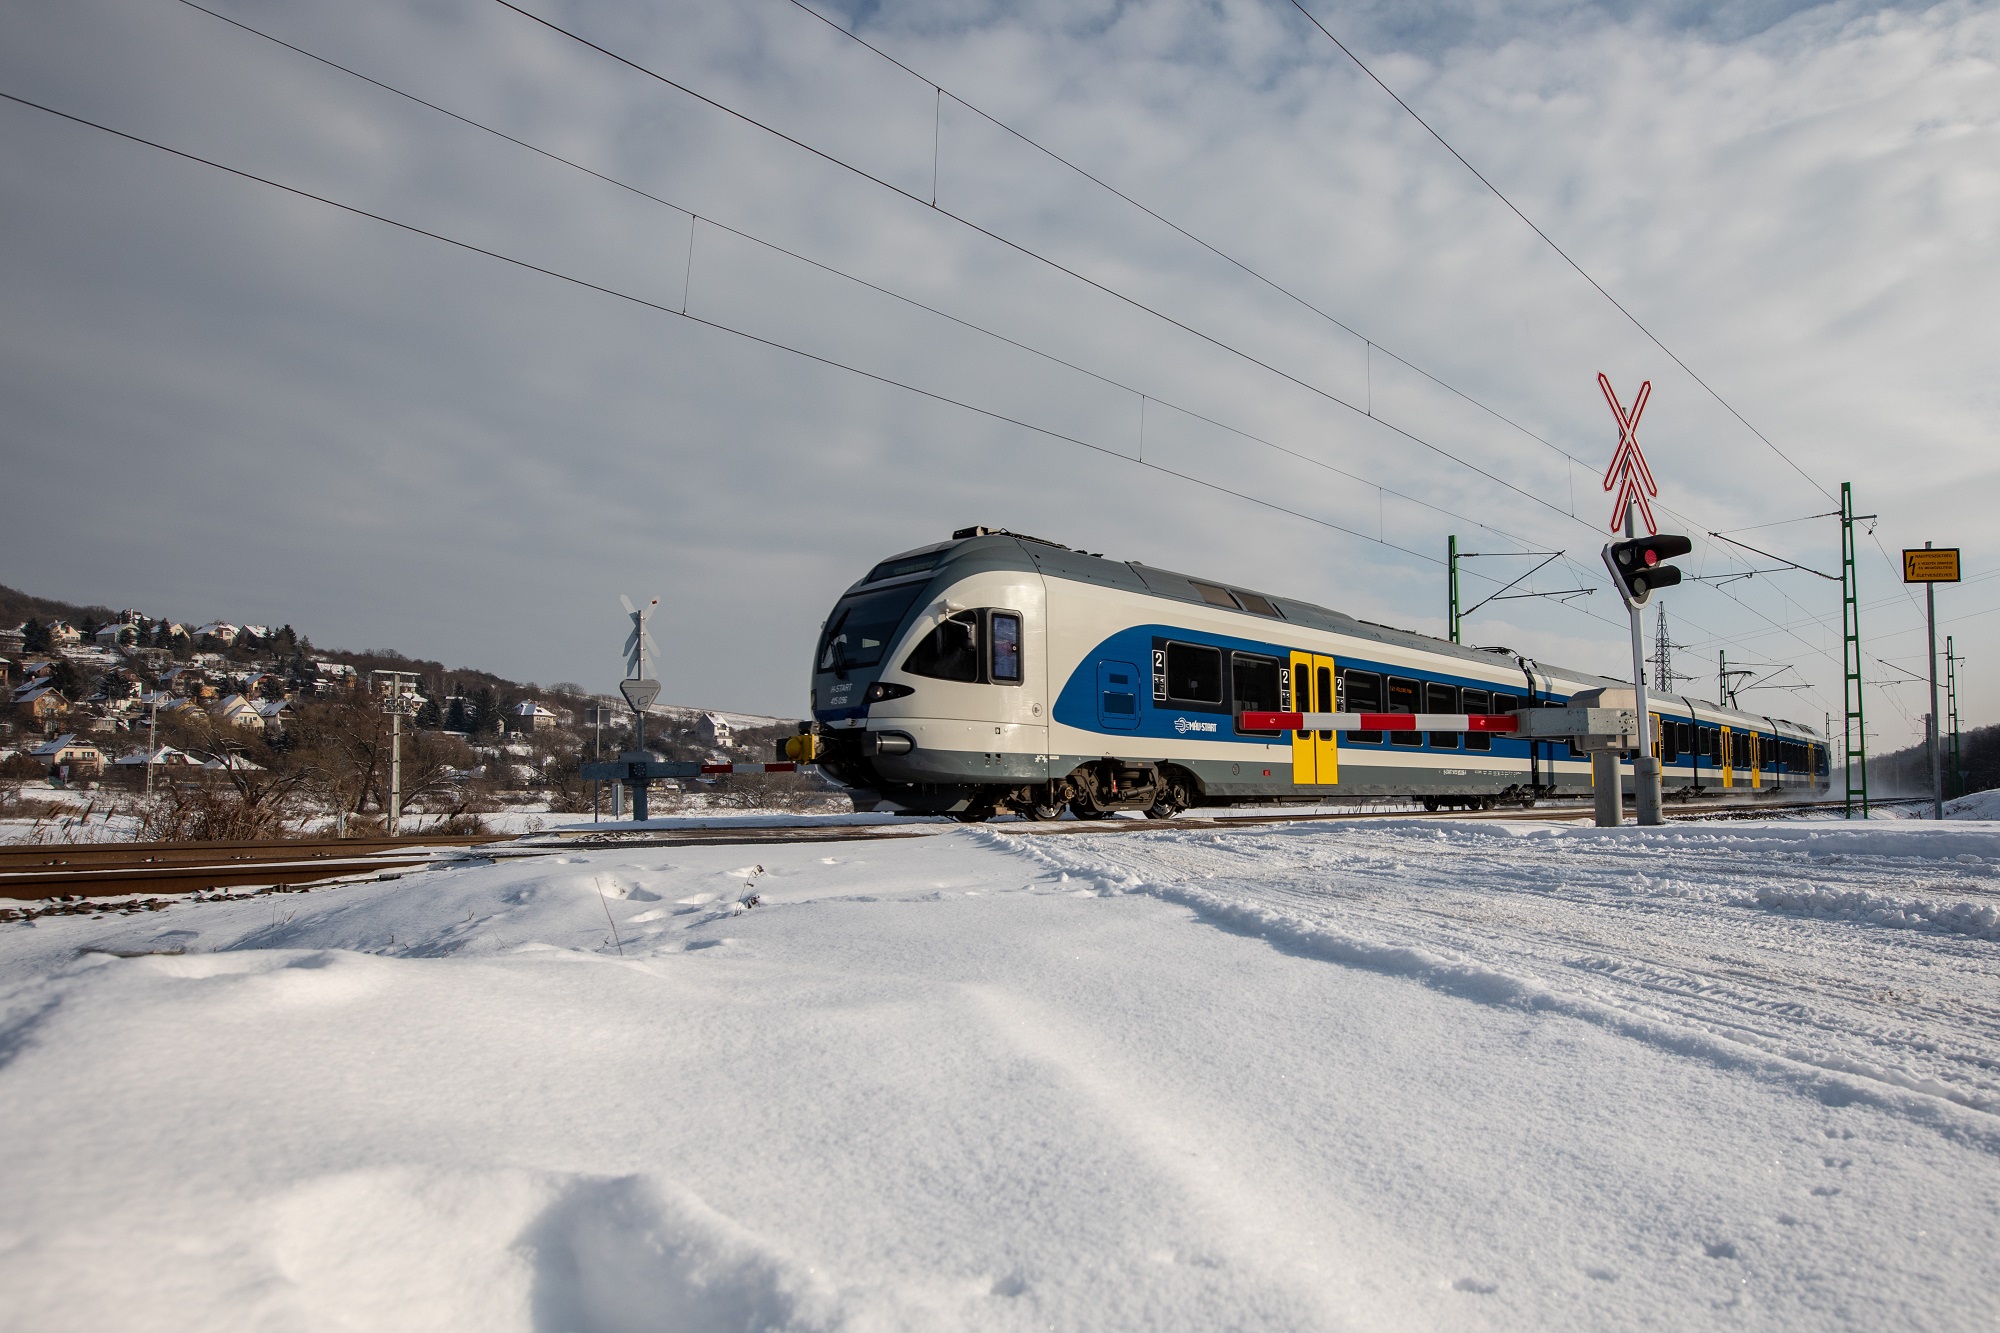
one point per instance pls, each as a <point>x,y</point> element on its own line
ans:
<point>1326,744</point>
<point>1728,758</point>
<point>1756,760</point>
<point>1304,770</point>
<point>1315,754</point>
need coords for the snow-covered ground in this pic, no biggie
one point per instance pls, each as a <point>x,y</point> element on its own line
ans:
<point>1379,1074</point>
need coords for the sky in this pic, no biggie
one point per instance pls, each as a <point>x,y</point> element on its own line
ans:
<point>223,400</point>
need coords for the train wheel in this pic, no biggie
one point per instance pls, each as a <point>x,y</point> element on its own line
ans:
<point>1170,802</point>
<point>1083,809</point>
<point>1042,811</point>
<point>1431,804</point>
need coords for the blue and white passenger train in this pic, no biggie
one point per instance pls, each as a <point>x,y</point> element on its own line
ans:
<point>1001,672</point>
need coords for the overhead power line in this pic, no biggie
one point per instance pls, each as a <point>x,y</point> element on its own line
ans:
<point>1029,253</point>
<point>1145,396</point>
<point>1036,256</point>
<point>1167,222</point>
<point>1550,241</point>
<point>771,343</point>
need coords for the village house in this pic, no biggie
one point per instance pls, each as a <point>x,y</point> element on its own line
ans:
<point>220,630</point>
<point>531,716</point>
<point>117,636</point>
<point>164,757</point>
<point>237,711</point>
<point>70,758</point>
<point>274,714</point>
<point>41,701</point>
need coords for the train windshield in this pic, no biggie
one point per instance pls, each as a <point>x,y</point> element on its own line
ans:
<point>859,630</point>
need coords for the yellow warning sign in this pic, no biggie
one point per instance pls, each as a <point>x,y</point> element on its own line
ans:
<point>1931,565</point>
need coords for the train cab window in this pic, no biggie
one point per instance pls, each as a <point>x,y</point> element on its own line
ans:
<point>1477,701</point>
<point>1006,648</point>
<point>1364,695</point>
<point>1194,673</point>
<point>949,652</point>
<point>1819,760</point>
<point>858,631</point>
<point>1254,681</point>
<point>1405,696</point>
<point>1441,699</point>
<point>1215,596</point>
<point>1258,606</point>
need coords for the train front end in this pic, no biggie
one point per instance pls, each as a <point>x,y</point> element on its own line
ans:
<point>928,689</point>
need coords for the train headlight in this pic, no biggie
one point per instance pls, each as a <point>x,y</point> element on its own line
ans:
<point>882,689</point>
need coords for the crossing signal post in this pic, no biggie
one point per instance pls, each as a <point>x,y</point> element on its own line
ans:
<point>1638,570</point>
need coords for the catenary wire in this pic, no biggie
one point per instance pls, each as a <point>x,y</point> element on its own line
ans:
<point>716,325</point>
<point>1167,222</point>
<point>1029,253</point>
<point>1219,252</point>
<point>1616,304</point>
<point>692,215</point>
<point>1037,257</point>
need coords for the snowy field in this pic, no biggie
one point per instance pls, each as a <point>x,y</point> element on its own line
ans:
<point>1382,1074</point>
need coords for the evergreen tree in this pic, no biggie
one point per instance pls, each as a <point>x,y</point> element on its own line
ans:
<point>34,637</point>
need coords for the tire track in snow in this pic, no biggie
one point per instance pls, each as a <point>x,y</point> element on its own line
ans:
<point>1665,938</point>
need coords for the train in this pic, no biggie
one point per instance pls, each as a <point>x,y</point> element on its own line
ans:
<point>1002,673</point>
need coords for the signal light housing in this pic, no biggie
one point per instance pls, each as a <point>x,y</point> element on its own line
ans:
<point>1638,567</point>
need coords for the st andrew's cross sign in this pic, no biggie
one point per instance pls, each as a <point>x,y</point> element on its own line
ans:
<point>1628,473</point>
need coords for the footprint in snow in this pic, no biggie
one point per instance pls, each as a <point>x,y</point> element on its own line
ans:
<point>1476,1286</point>
<point>1721,1249</point>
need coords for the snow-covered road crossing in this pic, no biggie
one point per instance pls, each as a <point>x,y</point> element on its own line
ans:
<point>1377,1075</point>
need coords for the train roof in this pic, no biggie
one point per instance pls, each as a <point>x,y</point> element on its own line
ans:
<point>973,549</point>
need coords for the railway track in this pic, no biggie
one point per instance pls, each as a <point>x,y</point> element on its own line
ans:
<point>93,871</point>
<point>110,870</point>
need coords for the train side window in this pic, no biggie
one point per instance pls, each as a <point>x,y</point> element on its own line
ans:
<point>1194,673</point>
<point>1405,696</point>
<point>1684,738</point>
<point>949,652</point>
<point>1477,701</point>
<point>1255,682</point>
<point>1441,699</point>
<point>1323,682</point>
<point>1006,639</point>
<point>1364,695</point>
<point>1215,596</point>
<point>1670,739</point>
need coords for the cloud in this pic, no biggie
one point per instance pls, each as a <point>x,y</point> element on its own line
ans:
<point>233,402</point>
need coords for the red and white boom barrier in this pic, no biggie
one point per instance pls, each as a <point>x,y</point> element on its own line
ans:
<point>1498,723</point>
<point>707,769</point>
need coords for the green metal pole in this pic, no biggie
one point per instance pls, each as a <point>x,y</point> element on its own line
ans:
<point>1955,779</point>
<point>1854,737</point>
<point>1451,562</point>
